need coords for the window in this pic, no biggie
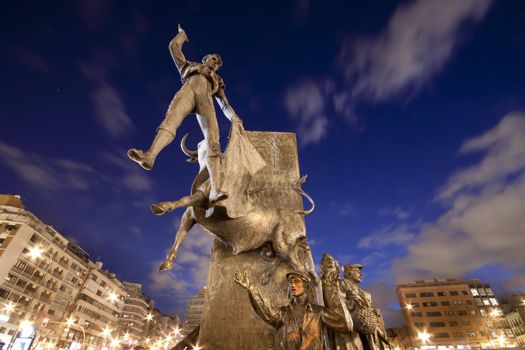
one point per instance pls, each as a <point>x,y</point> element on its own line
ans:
<point>482,292</point>
<point>416,314</point>
<point>99,292</point>
<point>464,292</point>
<point>462,313</point>
<point>486,302</point>
<point>441,294</point>
<point>474,292</point>
<point>445,303</point>
<point>458,302</point>
<point>472,312</point>
<point>453,324</point>
<point>466,323</point>
<point>479,301</point>
<point>441,335</point>
<point>410,295</point>
<point>426,294</point>
<point>454,292</point>
<point>469,302</point>
<point>419,324</point>
<point>489,291</point>
<point>449,313</point>
<point>470,334</point>
<point>430,304</point>
<point>50,312</point>
<point>433,314</point>
<point>437,324</point>
<point>493,301</point>
<point>414,304</point>
<point>3,293</point>
<point>458,335</point>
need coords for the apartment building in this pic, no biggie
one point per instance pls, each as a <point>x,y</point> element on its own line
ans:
<point>50,282</point>
<point>194,310</point>
<point>135,319</point>
<point>452,313</point>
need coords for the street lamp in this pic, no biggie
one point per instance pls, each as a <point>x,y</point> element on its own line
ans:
<point>423,336</point>
<point>409,306</point>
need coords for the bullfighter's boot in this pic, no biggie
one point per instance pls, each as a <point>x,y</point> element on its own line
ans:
<point>146,159</point>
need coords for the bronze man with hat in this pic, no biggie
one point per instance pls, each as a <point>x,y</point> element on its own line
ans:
<point>300,322</point>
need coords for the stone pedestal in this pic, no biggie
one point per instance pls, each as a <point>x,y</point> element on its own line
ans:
<point>229,321</point>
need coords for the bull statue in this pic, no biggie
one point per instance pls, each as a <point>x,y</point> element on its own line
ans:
<point>240,222</point>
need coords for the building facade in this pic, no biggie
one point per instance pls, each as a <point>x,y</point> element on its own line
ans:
<point>452,313</point>
<point>134,321</point>
<point>193,315</point>
<point>50,283</point>
<point>516,321</point>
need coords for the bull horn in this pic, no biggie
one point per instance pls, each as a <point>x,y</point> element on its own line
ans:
<point>186,150</point>
<point>297,186</point>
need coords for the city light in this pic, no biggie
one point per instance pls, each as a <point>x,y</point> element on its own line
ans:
<point>9,307</point>
<point>409,306</point>
<point>26,328</point>
<point>35,252</point>
<point>112,296</point>
<point>115,342</point>
<point>423,336</point>
<point>495,312</point>
<point>126,336</point>
<point>149,317</point>
<point>176,330</point>
<point>196,347</point>
<point>501,340</point>
<point>70,321</point>
<point>106,332</point>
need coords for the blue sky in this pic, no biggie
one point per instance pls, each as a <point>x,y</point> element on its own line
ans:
<point>409,115</point>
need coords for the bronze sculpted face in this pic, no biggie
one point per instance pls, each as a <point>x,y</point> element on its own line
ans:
<point>296,285</point>
<point>354,274</point>
<point>213,61</point>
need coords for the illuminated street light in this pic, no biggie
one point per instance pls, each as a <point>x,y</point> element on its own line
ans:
<point>501,340</point>
<point>126,336</point>
<point>495,312</point>
<point>423,336</point>
<point>9,307</point>
<point>35,252</point>
<point>106,332</point>
<point>149,317</point>
<point>176,330</point>
<point>70,321</point>
<point>196,347</point>
<point>409,306</point>
<point>112,296</point>
<point>115,342</point>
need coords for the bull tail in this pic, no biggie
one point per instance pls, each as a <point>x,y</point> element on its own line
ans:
<point>297,187</point>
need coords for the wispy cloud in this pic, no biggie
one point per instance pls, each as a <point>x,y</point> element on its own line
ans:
<point>305,102</point>
<point>483,221</point>
<point>132,177</point>
<point>398,212</point>
<point>416,44</point>
<point>107,103</point>
<point>386,236</point>
<point>47,172</point>
<point>190,271</point>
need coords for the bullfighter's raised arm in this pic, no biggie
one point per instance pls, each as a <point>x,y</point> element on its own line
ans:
<point>176,49</point>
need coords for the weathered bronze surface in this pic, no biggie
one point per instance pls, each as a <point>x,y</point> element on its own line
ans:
<point>229,321</point>
<point>366,318</point>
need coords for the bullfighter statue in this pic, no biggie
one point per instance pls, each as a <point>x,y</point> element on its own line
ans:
<point>200,83</point>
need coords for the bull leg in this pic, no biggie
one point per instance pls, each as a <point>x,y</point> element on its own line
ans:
<point>186,224</point>
<point>198,198</point>
<point>268,273</point>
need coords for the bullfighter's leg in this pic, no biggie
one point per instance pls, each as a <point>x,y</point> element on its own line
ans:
<point>182,104</point>
<point>198,199</point>
<point>208,122</point>
<point>186,224</point>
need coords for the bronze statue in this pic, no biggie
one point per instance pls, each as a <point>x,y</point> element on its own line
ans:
<point>366,318</point>
<point>255,226</point>
<point>200,83</point>
<point>334,299</point>
<point>300,322</point>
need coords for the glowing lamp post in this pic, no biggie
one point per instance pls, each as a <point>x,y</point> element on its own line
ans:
<point>423,336</point>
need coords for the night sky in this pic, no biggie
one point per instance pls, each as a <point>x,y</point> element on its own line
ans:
<point>410,119</point>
